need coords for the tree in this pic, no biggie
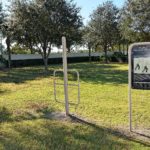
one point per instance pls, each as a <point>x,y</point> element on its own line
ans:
<point>42,24</point>
<point>9,34</point>
<point>88,39</point>
<point>9,37</point>
<point>18,49</point>
<point>1,16</point>
<point>135,24</point>
<point>1,25</point>
<point>6,28</point>
<point>104,25</point>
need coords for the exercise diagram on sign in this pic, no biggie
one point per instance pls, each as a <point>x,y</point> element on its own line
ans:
<point>142,65</point>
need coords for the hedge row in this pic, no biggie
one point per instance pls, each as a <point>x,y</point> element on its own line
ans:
<point>116,57</point>
<point>36,62</point>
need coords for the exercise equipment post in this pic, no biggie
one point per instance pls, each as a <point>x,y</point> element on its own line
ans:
<point>65,70</point>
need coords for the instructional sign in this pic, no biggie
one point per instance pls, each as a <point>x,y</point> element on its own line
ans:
<point>140,59</point>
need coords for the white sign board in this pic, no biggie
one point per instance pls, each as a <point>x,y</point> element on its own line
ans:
<point>139,71</point>
<point>140,66</point>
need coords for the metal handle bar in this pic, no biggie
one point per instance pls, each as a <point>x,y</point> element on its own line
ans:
<point>78,85</point>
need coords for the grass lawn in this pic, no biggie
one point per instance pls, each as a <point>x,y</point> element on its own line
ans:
<point>26,99</point>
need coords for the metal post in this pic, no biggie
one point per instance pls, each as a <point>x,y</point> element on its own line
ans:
<point>65,74</point>
<point>130,80</point>
<point>129,87</point>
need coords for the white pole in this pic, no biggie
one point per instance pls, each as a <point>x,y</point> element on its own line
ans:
<point>129,87</point>
<point>65,74</point>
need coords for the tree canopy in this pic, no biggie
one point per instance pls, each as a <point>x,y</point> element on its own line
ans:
<point>41,24</point>
<point>103,24</point>
<point>135,20</point>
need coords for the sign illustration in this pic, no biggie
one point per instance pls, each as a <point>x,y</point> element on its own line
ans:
<point>142,65</point>
<point>145,69</point>
<point>137,67</point>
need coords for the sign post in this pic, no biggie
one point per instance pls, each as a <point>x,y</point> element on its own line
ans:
<point>65,75</point>
<point>139,71</point>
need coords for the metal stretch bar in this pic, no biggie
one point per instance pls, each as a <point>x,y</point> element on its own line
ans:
<point>141,82</point>
<point>68,84</point>
<point>78,85</point>
<point>61,101</point>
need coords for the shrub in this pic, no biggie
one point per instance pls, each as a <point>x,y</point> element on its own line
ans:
<point>119,57</point>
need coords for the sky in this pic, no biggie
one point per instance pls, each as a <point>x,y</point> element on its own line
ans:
<point>87,6</point>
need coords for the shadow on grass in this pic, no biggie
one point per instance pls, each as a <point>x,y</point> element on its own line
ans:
<point>56,135</point>
<point>20,75</point>
<point>29,131</point>
<point>5,114</point>
<point>101,73</point>
<point>3,91</point>
<point>35,112</point>
<point>89,72</point>
<point>147,136</point>
<point>120,134</point>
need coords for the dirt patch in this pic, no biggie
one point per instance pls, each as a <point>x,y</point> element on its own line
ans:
<point>38,107</point>
<point>58,116</point>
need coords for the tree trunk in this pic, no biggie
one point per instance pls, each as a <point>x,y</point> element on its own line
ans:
<point>45,60</point>
<point>31,50</point>
<point>8,51</point>
<point>105,51</point>
<point>119,47</point>
<point>90,59</point>
<point>112,48</point>
<point>127,48</point>
<point>46,64</point>
<point>123,49</point>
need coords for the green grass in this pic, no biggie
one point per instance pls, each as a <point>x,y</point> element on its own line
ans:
<point>26,97</point>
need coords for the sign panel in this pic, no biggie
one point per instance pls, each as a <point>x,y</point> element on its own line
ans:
<point>139,71</point>
<point>140,62</point>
